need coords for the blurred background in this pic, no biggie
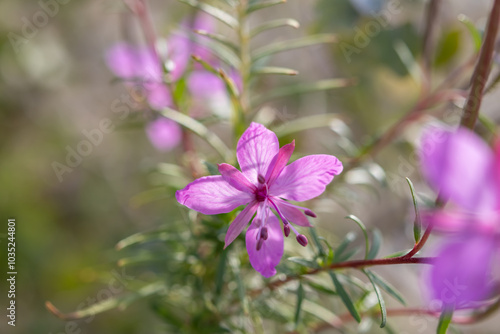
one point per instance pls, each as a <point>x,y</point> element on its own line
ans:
<point>55,87</point>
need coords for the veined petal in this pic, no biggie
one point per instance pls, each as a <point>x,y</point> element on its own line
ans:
<point>306,177</point>
<point>212,195</point>
<point>292,214</point>
<point>269,255</point>
<point>461,273</point>
<point>279,162</point>
<point>239,223</point>
<point>235,178</point>
<point>255,151</point>
<point>460,166</point>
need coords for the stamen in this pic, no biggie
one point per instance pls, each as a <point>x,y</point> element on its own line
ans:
<point>264,233</point>
<point>261,179</point>
<point>286,229</point>
<point>260,243</point>
<point>302,240</point>
<point>310,213</point>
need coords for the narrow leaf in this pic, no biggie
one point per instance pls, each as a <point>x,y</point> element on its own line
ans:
<point>304,123</point>
<point>224,53</point>
<point>321,288</point>
<point>345,297</point>
<point>219,38</point>
<point>219,14</point>
<point>316,241</point>
<point>417,224</point>
<point>274,24</point>
<point>300,298</point>
<point>348,239</point>
<point>200,130</point>
<point>381,302</point>
<point>263,4</point>
<point>363,229</point>
<point>475,34</point>
<point>302,88</point>
<point>444,321</point>
<point>293,44</point>
<point>376,242</point>
<point>387,287</point>
<point>139,238</point>
<point>275,70</point>
<point>304,262</point>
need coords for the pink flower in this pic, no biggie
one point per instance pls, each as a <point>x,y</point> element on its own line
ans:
<point>265,184</point>
<point>463,169</point>
<point>164,134</point>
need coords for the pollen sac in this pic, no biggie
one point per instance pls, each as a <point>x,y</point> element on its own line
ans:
<point>261,179</point>
<point>310,213</point>
<point>263,233</point>
<point>302,240</point>
<point>286,230</point>
<point>259,244</point>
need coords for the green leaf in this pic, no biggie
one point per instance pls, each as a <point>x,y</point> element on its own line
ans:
<point>275,70</point>
<point>211,168</point>
<point>348,239</point>
<point>316,241</point>
<point>257,5</point>
<point>300,298</point>
<point>321,288</point>
<point>219,14</point>
<point>200,130</point>
<point>417,224</point>
<point>139,238</point>
<point>220,39</point>
<point>381,302</point>
<point>304,262</point>
<point>363,229</point>
<point>271,49</point>
<point>475,34</point>
<point>274,24</point>
<point>444,321</point>
<point>304,123</point>
<point>387,287</point>
<point>447,47</point>
<point>110,303</point>
<point>302,88</point>
<point>376,242</point>
<point>224,53</point>
<point>345,297</point>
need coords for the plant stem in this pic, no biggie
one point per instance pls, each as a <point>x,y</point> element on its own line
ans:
<point>432,11</point>
<point>482,70</point>
<point>350,264</point>
<point>245,67</point>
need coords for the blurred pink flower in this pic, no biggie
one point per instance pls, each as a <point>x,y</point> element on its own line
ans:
<point>164,134</point>
<point>463,169</point>
<point>265,183</point>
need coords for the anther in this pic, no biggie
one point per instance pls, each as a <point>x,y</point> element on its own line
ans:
<point>263,233</point>
<point>302,240</point>
<point>286,229</point>
<point>261,179</point>
<point>260,243</point>
<point>310,213</point>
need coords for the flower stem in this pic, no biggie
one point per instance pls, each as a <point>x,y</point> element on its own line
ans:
<point>351,264</point>
<point>482,70</point>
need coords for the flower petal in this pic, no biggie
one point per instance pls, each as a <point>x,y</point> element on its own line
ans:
<point>460,166</point>
<point>460,275</point>
<point>255,151</point>
<point>158,96</point>
<point>239,223</point>
<point>269,256</point>
<point>306,178</point>
<point>164,134</point>
<point>211,195</point>
<point>235,178</point>
<point>128,62</point>
<point>291,213</point>
<point>279,162</point>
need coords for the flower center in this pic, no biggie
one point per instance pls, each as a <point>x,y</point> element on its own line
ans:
<point>261,194</point>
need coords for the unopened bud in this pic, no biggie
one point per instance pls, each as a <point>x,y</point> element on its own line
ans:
<point>286,230</point>
<point>310,213</point>
<point>302,240</point>
<point>259,244</point>
<point>261,179</point>
<point>263,233</point>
